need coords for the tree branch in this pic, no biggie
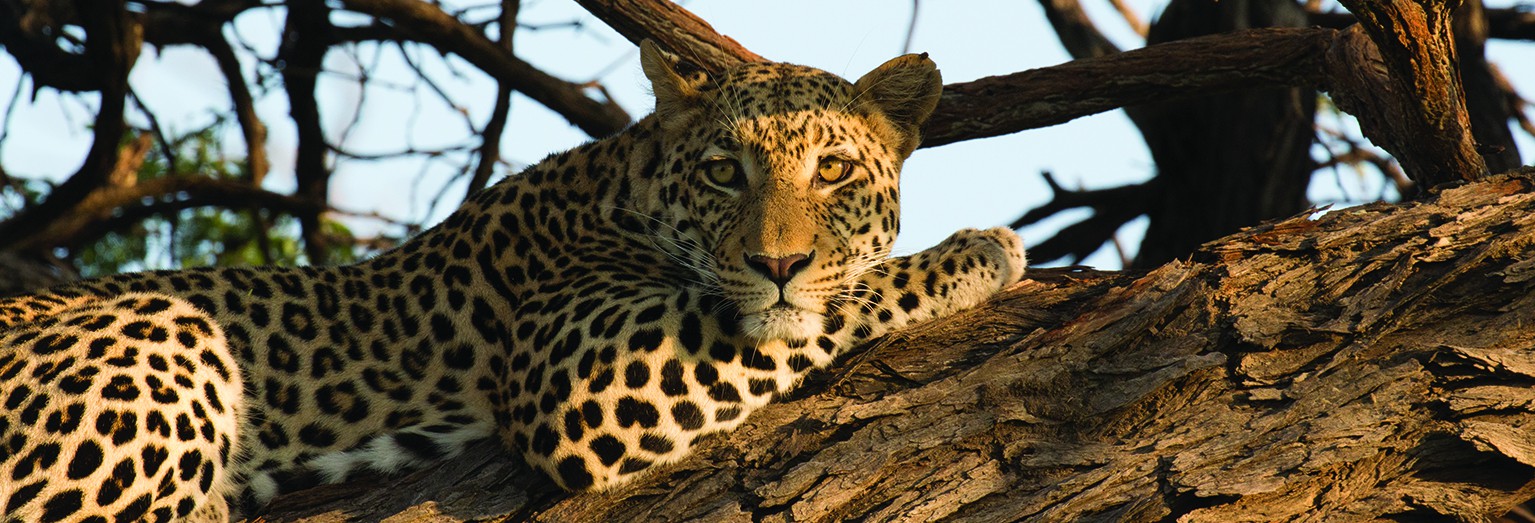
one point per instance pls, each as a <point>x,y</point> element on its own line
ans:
<point>123,204</point>
<point>1112,208</point>
<point>111,46</point>
<point>1006,104</point>
<point>675,29</point>
<point>490,137</point>
<point>30,33</point>
<point>305,42</point>
<point>426,23</point>
<point>1076,31</point>
<point>1502,23</point>
<point>252,129</point>
<point>1488,109</point>
<point>1415,108</point>
<point>1367,364</point>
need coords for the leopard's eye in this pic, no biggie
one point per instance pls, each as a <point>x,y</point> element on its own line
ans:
<point>833,170</point>
<point>723,172</point>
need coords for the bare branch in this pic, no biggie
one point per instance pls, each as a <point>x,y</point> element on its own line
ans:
<point>252,129</point>
<point>29,32</point>
<point>1112,208</point>
<point>305,42</point>
<point>911,26</point>
<point>154,128</point>
<point>124,204</point>
<point>1488,109</point>
<point>1077,33</point>
<point>1502,23</point>
<point>426,23</point>
<point>490,143</point>
<point>1519,104</point>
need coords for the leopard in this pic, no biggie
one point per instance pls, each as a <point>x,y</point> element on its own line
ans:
<point>599,313</point>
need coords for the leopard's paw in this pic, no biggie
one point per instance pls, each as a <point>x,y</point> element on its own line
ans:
<point>999,249</point>
<point>1009,254</point>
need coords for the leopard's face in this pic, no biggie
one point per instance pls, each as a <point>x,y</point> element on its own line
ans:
<point>787,189</point>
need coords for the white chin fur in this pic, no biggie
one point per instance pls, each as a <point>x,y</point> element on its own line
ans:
<point>781,323</point>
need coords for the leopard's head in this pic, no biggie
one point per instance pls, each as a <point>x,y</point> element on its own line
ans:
<point>782,181</point>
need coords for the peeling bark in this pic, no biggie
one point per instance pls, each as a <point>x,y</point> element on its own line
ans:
<point>1375,362</point>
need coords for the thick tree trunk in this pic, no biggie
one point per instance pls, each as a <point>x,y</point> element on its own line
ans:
<point>1226,160</point>
<point>1374,362</point>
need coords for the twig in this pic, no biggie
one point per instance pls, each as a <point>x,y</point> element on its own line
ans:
<point>10,110</point>
<point>423,78</point>
<point>1358,153</point>
<point>252,129</point>
<point>411,151</point>
<point>1517,104</point>
<point>363,79</point>
<point>911,26</point>
<point>154,127</point>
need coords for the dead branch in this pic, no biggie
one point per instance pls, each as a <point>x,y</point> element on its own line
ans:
<point>125,203</point>
<point>252,129</point>
<point>30,32</point>
<point>1077,33</point>
<point>1488,108</point>
<point>1132,18</point>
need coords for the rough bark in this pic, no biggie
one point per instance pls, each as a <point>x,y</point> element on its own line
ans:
<point>1374,362</point>
<point>1411,101</point>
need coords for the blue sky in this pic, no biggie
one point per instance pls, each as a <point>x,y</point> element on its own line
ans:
<point>978,183</point>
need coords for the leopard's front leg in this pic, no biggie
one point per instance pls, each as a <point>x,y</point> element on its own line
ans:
<point>958,273</point>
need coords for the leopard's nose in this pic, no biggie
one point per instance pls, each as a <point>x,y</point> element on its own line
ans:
<point>779,269</point>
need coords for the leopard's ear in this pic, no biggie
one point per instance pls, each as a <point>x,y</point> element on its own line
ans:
<point>905,90</point>
<point>674,81</point>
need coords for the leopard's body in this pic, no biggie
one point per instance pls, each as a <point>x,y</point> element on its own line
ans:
<point>598,312</point>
